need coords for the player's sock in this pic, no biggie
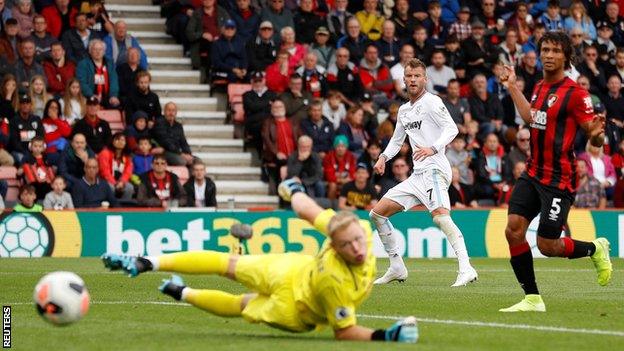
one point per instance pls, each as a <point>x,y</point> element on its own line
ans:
<point>194,262</point>
<point>214,301</point>
<point>577,249</point>
<point>385,231</point>
<point>522,263</point>
<point>455,238</point>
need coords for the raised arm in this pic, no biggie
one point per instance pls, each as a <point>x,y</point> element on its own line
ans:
<point>509,81</point>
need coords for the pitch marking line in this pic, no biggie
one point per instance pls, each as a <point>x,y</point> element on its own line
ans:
<point>420,319</point>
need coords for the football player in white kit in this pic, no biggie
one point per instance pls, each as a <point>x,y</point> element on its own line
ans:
<point>429,126</point>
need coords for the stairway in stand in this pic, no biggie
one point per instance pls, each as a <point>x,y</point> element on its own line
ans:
<point>173,79</point>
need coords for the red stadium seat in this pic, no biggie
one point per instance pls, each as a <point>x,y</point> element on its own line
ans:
<point>9,174</point>
<point>235,101</point>
<point>181,171</point>
<point>114,118</point>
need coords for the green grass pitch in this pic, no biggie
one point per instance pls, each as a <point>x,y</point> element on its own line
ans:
<point>130,314</point>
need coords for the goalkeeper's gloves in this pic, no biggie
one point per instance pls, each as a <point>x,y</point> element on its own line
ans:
<point>287,188</point>
<point>405,330</point>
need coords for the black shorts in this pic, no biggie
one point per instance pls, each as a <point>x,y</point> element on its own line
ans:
<point>530,198</point>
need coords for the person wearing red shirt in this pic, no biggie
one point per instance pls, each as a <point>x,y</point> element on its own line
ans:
<point>278,73</point>
<point>60,17</point>
<point>57,130</point>
<point>58,70</point>
<point>375,76</point>
<point>279,138</point>
<point>116,167</point>
<point>338,166</point>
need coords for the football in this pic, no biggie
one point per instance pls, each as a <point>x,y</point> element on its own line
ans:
<point>61,298</point>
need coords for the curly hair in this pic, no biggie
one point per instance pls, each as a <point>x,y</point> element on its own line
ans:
<point>559,38</point>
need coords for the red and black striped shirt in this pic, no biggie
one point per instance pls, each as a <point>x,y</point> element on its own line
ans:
<point>557,110</point>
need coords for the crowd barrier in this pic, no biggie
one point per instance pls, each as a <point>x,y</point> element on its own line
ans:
<point>88,233</point>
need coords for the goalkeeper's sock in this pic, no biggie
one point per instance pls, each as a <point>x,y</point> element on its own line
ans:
<point>214,301</point>
<point>194,262</point>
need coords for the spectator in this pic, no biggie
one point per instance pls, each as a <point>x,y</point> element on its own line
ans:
<point>203,29</point>
<point>96,130</point>
<point>23,128</point>
<point>57,130</point>
<point>600,167</point>
<point>27,200</point>
<point>403,19</point>
<point>422,48</point>
<point>169,134</point>
<point>58,198</point>
<point>458,107</point>
<point>334,110</point>
<point>72,161</point>
<point>228,57</point>
<point>508,187</point>
<point>296,100</point>
<point>521,22</point>
<point>200,190</point>
<point>590,193</point>
<point>552,18</point>
<point>98,18</point>
<point>358,194</point>
<point>338,166</point>
<point>143,156</point>
<point>76,41</point>
<point>98,77</point>
<point>305,164</point>
<point>615,21</point>
<point>343,76</point>
<point>510,50</point>
<point>352,127</point>
<point>36,168</point>
<point>370,19</point>
<point>460,158</point>
<point>60,17</point>
<point>297,51</point>
<point>262,51</point>
<point>43,40</point>
<point>313,75</point>
<point>38,94</point>
<point>319,129</point>
<point>369,158</point>
<point>115,163</point>
<point>494,84</point>
<point>462,28</point>
<point>325,54</point>
<point>386,128</point>
<point>126,73</point>
<point>491,169</point>
<point>8,96</point>
<point>278,135</point>
<point>337,19</point>
<point>5,14</point>
<point>278,73</point>
<point>538,33</point>
<point>406,54</point>
<point>90,191</point>
<point>369,122</point>
<point>400,172</point>
<point>26,67</point>
<point>279,16</point>
<point>590,68</point>
<point>437,28</point>
<point>439,74</point>
<point>118,43</point>
<point>9,45</point>
<point>485,108</point>
<point>388,45</point>
<point>58,69</point>
<point>375,76</point>
<point>617,158</point>
<point>578,18</point>
<point>306,22</point>
<point>455,57</point>
<point>159,187</point>
<point>578,45</point>
<point>257,107</point>
<point>5,157</point>
<point>614,103</point>
<point>139,128</point>
<point>23,12</point>
<point>480,53</point>
<point>247,20</point>
<point>521,151</point>
<point>529,72</point>
<point>489,18</point>
<point>73,103</point>
<point>461,195</point>
<point>354,41</point>
<point>142,98</point>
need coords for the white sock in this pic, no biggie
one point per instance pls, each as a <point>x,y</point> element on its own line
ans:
<point>155,262</point>
<point>385,230</point>
<point>456,238</point>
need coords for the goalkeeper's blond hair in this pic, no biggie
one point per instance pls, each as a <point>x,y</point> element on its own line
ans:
<point>340,221</point>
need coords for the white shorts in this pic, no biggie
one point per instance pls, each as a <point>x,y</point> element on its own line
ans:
<point>429,188</point>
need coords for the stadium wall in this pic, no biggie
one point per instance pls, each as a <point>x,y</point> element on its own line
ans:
<point>84,234</point>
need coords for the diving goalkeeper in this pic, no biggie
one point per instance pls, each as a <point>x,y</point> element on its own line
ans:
<point>293,292</point>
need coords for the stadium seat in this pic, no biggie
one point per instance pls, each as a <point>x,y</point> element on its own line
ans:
<point>181,171</point>
<point>114,118</point>
<point>9,174</point>
<point>235,102</point>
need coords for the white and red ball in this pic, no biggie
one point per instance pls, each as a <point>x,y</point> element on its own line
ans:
<point>61,298</point>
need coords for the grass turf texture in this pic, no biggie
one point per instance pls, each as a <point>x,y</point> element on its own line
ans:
<point>125,313</point>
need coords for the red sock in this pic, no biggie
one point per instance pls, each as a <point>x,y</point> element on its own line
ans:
<point>568,244</point>
<point>520,249</point>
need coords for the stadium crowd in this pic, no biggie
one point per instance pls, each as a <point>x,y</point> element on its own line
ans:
<point>321,72</point>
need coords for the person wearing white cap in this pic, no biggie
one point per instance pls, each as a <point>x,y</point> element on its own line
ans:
<point>262,51</point>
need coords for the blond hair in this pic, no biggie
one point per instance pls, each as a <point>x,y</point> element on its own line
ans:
<point>67,98</point>
<point>340,221</point>
<point>415,63</point>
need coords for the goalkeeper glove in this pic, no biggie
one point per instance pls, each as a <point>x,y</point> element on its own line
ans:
<point>287,188</point>
<point>405,330</point>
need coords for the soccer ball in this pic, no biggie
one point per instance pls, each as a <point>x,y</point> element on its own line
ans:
<point>24,235</point>
<point>61,298</point>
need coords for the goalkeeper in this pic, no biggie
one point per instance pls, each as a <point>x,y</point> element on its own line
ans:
<point>293,292</point>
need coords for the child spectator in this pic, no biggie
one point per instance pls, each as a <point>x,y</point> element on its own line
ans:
<point>138,129</point>
<point>358,194</point>
<point>27,197</point>
<point>73,103</point>
<point>58,198</point>
<point>36,169</point>
<point>338,166</point>
<point>56,130</point>
<point>143,157</point>
<point>460,158</point>
<point>38,94</point>
<point>352,127</point>
<point>116,167</point>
